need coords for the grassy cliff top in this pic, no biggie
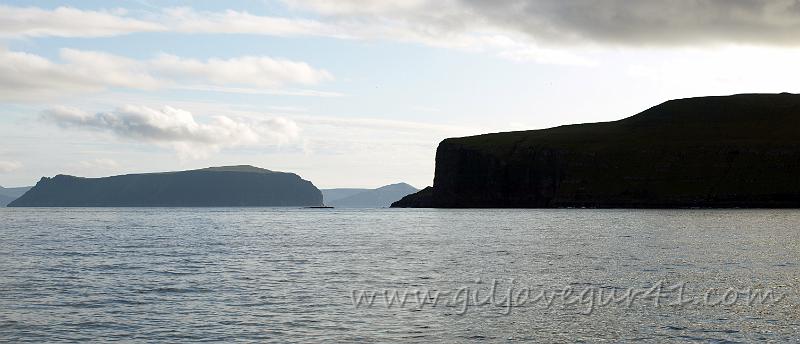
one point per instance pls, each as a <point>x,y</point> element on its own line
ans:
<point>742,118</point>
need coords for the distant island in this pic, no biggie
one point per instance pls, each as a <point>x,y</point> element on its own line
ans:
<point>5,199</point>
<point>730,151</point>
<point>381,197</point>
<point>228,186</point>
<point>8,195</point>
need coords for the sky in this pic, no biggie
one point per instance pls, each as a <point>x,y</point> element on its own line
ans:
<point>353,93</point>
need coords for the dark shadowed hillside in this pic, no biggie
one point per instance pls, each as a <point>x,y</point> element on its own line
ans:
<point>732,151</point>
<point>218,186</point>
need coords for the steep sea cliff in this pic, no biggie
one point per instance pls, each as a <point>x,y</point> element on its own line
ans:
<point>731,151</point>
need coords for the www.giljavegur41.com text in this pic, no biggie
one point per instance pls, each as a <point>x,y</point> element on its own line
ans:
<point>588,298</point>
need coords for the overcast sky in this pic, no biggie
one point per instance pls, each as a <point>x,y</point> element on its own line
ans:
<point>353,93</point>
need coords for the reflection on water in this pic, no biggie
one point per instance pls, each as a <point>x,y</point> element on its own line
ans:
<point>291,274</point>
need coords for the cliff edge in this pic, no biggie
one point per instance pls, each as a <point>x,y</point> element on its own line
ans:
<point>729,151</point>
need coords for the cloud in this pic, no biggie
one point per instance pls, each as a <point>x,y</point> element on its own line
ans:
<point>276,92</point>
<point>565,32</point>
<point>542,31</point>
<point>349,7</point>
<point>21,22</point>
<point>247,70</point>
<point>68,22</point>
<point>176,128</point>
<point>25,76</point>
<point>187,20</point>
<point>617,22</point>
<point>9,166</point>
<point>108,70</point>
<point>445,24</point>
<point>544,22</point>
<point>29,77</point>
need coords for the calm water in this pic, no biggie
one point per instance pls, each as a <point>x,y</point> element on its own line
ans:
<point>289,275</point>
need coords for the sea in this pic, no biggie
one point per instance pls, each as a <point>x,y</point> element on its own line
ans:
<point>291,275</point>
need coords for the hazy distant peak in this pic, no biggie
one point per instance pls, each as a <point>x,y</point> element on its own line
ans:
<point>397,186</point>
<point>367,198</point>
<point>9,194</point>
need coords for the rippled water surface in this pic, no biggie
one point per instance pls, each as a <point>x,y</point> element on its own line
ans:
<point>290,275</point>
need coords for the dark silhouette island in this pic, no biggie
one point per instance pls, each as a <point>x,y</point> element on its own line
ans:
<point>732,151</point>
<point>229,186</point>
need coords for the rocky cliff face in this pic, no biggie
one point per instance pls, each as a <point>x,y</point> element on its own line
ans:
<point>734,151</point>
<point>230,186</point>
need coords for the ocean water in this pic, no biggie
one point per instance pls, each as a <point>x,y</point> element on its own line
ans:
<point>306,275</point>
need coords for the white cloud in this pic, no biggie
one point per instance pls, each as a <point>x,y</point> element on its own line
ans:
<point>276,92</point>
<point>18,22</point>
<point>109,70</point>
<point>614,22</point>
<point>444,24</point>
<point>350,7</point>
<point>248,70</point>
<point>68,22</point>
<point>26,76</point>
<point>177,128</point>
<point>187,20</point>
<point>29,77</point>
<point>9,166</point>
<point>543,31</point>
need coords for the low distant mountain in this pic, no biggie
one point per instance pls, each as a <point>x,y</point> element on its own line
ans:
<point>227,186</point>
<point>330,195</point>
<point>369,198</point>
<point>9,194</point>
<point>14,192</point>
<point>5,200</point>
<point>721,152</point>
